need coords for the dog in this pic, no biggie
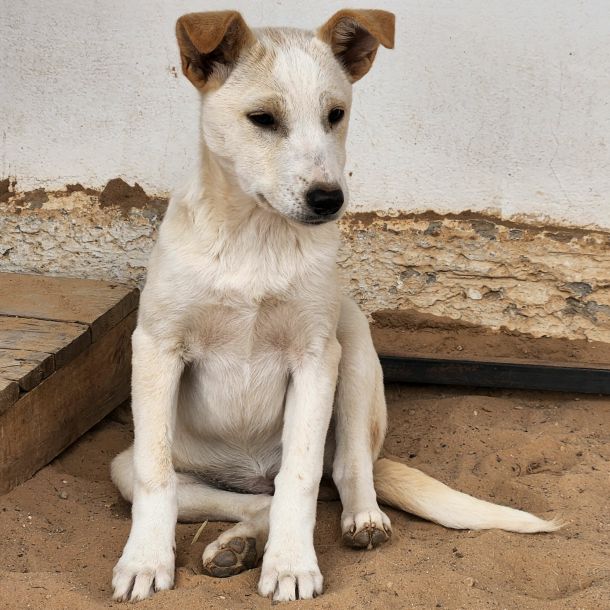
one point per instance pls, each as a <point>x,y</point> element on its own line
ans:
<point>252,375</point>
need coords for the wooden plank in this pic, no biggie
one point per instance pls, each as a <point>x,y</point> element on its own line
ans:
<point>63,407</point>
<point>9,393</point>
<point>62,339</point>
<point>27,368</point>
<point>101,305</point>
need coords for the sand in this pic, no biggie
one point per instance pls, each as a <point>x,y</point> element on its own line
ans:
<point>62,531</point>
<point>411,333</point>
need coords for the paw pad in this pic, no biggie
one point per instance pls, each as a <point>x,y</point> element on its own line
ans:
<point>235,556</point>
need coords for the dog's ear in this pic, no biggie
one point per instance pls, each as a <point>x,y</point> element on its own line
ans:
<point>354,36</point>
<point>210,44</point>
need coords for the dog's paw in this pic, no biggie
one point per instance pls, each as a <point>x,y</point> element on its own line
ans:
<point>289,576</point>
<point>141,572</point>
<point>365,529</point>
<point>230,558</point>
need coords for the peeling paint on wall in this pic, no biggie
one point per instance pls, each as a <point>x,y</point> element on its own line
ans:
<point>72,233</point>
<point>541,280</point>
<point>483,271</point>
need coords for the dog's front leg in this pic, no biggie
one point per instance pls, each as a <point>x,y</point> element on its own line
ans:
<point>147,562</point>
<point>290,567</point>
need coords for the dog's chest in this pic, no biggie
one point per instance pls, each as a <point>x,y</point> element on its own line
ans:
<point>238,364</point>
<point>245,333</point>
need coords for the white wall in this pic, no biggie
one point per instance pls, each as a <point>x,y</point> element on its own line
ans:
<point>492,105</point>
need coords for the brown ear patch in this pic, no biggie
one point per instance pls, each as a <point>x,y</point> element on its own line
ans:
<point>210,44</point>
<point>355,35</point>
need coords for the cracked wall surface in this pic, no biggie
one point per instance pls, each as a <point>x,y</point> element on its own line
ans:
<point>543,281</point>
<point>549,281</point>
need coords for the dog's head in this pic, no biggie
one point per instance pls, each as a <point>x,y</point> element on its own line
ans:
<point>276,102</point>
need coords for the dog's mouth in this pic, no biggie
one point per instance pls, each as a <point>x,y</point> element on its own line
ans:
<point>317,221</point>
<point>300,219</point>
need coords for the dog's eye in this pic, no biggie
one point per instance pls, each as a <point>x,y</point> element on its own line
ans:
<point>262,119</point>
<point>335,115</point>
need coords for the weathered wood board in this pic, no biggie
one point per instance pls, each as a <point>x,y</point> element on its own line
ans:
<point>9,392</point>
<point>65,352</point>
<point>26,367</point>
<point>30,349</point>
<point>101,305</point>
<point>65,405</point>
<point>63,340</point>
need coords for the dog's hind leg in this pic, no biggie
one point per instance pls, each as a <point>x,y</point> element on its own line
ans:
<point>237,549</point>
<point>360,423</point>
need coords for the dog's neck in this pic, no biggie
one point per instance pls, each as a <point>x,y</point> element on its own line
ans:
<point>226,203</point>
<point>243,247</point>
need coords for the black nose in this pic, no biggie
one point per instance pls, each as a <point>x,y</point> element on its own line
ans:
<point>325,202</point>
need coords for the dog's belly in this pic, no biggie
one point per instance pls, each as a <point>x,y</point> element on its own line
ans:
<point>229,420</point>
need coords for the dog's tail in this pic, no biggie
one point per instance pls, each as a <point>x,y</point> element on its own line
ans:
<point>413,491</point>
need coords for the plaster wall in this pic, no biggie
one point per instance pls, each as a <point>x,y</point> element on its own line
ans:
<point>484,105</point>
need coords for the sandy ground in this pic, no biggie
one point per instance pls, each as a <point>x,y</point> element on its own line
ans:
<point>411,333</point>
<point>61,532</point>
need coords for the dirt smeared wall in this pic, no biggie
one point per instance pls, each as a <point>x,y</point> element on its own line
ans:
<point>541,280</point>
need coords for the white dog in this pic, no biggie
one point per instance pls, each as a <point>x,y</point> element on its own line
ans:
<point>252,376</point>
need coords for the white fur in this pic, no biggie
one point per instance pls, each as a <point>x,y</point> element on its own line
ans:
<point>244,342</point>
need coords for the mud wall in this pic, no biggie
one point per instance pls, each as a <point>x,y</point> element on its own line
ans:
<point>541,280</point>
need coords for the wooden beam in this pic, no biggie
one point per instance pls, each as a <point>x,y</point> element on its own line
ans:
<point>65,405</point>
<point>9,393</point>
<point>62,339</point>
<point>101,305</point>
<point>27,368</point>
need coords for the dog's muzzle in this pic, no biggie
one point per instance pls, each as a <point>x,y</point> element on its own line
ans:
<point>325,201</point>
